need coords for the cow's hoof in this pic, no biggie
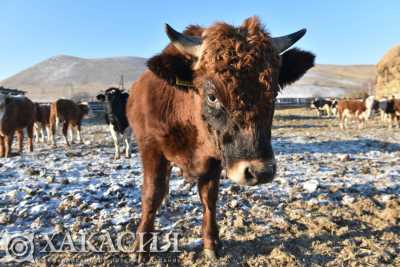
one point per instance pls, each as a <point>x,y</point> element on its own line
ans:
<point>210,254</point>
<point>116,157</point>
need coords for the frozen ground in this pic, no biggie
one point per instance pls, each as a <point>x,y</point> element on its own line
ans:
<point>334,202</point>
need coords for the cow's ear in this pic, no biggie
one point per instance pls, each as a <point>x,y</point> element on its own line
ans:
<point>171,67</point>
<point>101,97</point>
<point>171,64</point>
<point>294,63</point>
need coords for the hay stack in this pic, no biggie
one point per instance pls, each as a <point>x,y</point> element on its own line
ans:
<point>388,73</point>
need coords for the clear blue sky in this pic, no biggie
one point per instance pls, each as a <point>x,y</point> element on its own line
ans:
<point>339,32</point>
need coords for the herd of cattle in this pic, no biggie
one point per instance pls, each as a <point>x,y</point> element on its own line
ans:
<point>359,110</point>
<point>19,112</point>
<point>42,120</point>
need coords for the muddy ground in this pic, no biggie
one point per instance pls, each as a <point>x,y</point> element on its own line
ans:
<point>334,202</point>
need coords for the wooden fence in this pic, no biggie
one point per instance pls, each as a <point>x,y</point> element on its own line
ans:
<point>287,102</point>
<point>98,107</point>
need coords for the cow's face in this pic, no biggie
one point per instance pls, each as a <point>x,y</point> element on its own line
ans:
<point>237,72</point>
<point>241,125</point>
<point>113,98</point>
<point>85,109</point>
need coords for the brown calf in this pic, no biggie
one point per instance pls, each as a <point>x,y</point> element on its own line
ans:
<point>358,109</point>
<point>206,104</point>
<point>16,113</point>
<point>70,115</point>
<point>42,122</point>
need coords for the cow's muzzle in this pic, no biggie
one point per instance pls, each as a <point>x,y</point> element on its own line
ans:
<point>252,172</point>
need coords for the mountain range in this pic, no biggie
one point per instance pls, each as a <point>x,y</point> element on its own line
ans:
<point>75,77</point>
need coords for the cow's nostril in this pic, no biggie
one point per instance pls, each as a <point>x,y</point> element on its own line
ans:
<point>249,174</point>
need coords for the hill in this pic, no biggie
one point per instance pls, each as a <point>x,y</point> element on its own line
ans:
<point>332,80</point>
<point>68,76</point>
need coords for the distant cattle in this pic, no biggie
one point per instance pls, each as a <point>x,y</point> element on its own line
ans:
<point>42,122</point>
<point>387,109</point>
<point>397,111</point>
<point>115,101</point>
<point>70,115</point>
<point>16,114</point>
<point>360,110</point>
<point>326,106</point>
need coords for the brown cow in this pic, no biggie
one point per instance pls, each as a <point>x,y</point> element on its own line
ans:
<point>206,103</point>
<point>360,110</point>
<point>70,115</point>
<point>397,111</point>
<point>42,122</point>
<point>16,113</point>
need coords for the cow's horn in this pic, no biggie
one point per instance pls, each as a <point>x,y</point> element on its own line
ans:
<point>184,43</point>
<point>284,42</point>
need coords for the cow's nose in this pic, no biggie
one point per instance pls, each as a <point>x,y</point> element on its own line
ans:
<point>254,174</point>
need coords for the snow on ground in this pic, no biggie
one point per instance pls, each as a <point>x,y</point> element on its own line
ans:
<point>334,201</point>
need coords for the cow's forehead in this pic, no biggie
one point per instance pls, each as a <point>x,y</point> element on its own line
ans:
<point>112,91</point>
<point>243,49</point>
<point>242,59</point>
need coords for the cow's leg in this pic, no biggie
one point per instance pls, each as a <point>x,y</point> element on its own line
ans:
<point>42,129</point>
<point>29,130</point>
<point>362,120</point>
<point>78,133</point>
<point>48,132</point>
<point>20,138</point>
<point>71,134</point>
<point>52,136</point>
<point>65,132</point>
<point>36,132</point>
<point>345,120</point>
<point>341,120</point>
<point>153,191</point>
<point>2,148</point>
<point>8,144</point>
<point>127,140</point>
<point>114,136</point>
<point>208,191</point>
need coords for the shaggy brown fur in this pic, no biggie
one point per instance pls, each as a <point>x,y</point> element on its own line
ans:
<point>19,113</point>
<point>224,119</point>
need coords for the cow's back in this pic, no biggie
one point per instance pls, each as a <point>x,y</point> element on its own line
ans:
<point>43,114</point>
<point>19,113</point>
<point>65,110</point>
<point>353,106</point>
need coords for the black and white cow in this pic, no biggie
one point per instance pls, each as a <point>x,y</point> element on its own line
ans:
<point>326,106</point>
<point>387,110</point>
<point>114,101</point>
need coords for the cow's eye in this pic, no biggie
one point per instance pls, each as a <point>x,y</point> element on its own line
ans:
<point>212,99</point>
